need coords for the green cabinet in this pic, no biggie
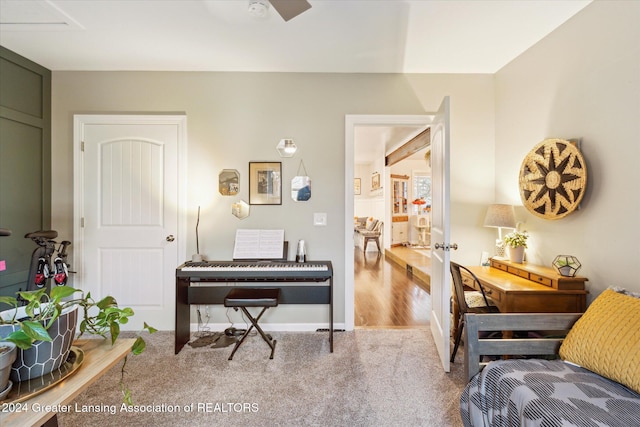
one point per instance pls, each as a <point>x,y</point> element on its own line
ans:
<point>25,165</point>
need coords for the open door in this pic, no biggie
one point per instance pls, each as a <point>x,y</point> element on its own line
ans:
<point>440,275</point>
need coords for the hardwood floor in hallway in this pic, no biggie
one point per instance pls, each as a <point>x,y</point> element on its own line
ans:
<point>386,295</point>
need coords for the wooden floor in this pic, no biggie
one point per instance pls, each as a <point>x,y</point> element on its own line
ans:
<point>386,295</point>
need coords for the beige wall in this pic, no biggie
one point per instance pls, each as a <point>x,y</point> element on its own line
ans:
<point>234,118</point>
<point>471,155</point>
<point>582,81</point>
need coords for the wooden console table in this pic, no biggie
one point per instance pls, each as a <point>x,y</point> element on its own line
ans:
<point>527,288</point>
<point>99,357</point>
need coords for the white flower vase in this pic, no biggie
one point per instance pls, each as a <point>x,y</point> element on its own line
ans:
<point>516,254</point>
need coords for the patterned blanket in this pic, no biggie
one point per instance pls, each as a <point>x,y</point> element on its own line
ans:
<point>549,393</point>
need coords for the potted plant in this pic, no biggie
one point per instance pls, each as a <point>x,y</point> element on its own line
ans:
<point>517,242</point>
<point>8,351</point>
<point>47,325</point>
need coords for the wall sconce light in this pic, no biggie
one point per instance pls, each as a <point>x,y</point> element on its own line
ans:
<point>286,148</point>
<point>500,216</point>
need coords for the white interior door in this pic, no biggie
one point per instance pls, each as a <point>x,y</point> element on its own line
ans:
<point>129,225</point>
<point>440,275</point>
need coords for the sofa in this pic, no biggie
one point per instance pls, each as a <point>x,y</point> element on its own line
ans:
<point>575,370</point>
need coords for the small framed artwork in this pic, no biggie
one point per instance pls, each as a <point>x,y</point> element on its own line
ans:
<point>484,259</point>
<point>229,182</point>
<point>356,186</point>
<point>375,181</point>
<point>265,183</point>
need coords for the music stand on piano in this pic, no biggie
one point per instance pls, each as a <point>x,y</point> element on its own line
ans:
<point>285,255</point>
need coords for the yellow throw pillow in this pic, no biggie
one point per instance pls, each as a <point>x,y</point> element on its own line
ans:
<point>606,339</point>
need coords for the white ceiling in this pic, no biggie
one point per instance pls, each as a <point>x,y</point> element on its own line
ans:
<point>369,36</point>
<point>364,36</point>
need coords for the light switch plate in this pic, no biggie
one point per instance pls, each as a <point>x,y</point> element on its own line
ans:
<point>320,219</point>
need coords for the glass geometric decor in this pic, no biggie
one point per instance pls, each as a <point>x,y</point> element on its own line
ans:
<point>286,148</point>
<point>566,265</point>
<point>240,209</point>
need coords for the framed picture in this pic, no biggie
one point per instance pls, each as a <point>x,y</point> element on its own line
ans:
<point>356,186</point>
<point>375,181</point>
<point>265,183</point>
<point>484,259</point>
<point>229,182</point>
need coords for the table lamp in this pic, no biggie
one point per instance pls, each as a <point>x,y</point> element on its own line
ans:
<point>500,216</point>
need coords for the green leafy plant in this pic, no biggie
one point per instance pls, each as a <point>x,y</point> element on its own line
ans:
<point>102,318</point>
<point>516,238</point>
<point>42,310</point>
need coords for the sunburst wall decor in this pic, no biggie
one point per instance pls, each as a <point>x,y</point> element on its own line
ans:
<point>553,178</point>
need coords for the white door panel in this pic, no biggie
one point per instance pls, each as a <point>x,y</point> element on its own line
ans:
<point>130,203</point>
<point>440,276</point>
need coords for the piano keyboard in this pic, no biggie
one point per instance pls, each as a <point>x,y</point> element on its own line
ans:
<point>252,266</point>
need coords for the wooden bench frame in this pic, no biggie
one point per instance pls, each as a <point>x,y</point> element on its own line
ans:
<point>476,347</point>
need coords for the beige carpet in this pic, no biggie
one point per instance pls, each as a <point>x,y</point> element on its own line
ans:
<point>373,378</point>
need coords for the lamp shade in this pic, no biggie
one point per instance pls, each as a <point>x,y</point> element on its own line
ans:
<point>500,216</point>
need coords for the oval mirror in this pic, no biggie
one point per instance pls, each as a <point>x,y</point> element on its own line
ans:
<point>301,188</point>
<point>229,182</point>
<point>240,209</point>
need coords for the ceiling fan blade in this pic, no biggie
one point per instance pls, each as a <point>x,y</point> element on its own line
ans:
<point>289,9</point>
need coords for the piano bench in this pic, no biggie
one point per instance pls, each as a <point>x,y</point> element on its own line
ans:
<point>241,298</point>
<point>252,297</point>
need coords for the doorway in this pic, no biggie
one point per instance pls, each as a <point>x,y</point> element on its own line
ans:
<point>351,123</point>
<point>129,224</point>
<point>440,281</point>
<point>391,287</point>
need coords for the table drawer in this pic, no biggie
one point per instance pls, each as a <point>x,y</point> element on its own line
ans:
<point>492,293</point>
<point>518,272</point>
<point>498,265</point>
<point>468,281</point>
<point>540,279</point>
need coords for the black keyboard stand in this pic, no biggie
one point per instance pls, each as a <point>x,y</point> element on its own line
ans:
<point>321,292</point>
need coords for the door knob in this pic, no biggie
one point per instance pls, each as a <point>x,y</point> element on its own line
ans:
<point>170,238</point>
<point>446,247</point>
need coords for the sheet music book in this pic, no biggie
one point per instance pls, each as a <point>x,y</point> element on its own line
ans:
<point>258,244</point>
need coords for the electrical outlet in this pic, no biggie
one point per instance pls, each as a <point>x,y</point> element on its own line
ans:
<point>320,219</point>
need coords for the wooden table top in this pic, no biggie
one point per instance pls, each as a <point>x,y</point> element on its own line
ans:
<point>99,357</point>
